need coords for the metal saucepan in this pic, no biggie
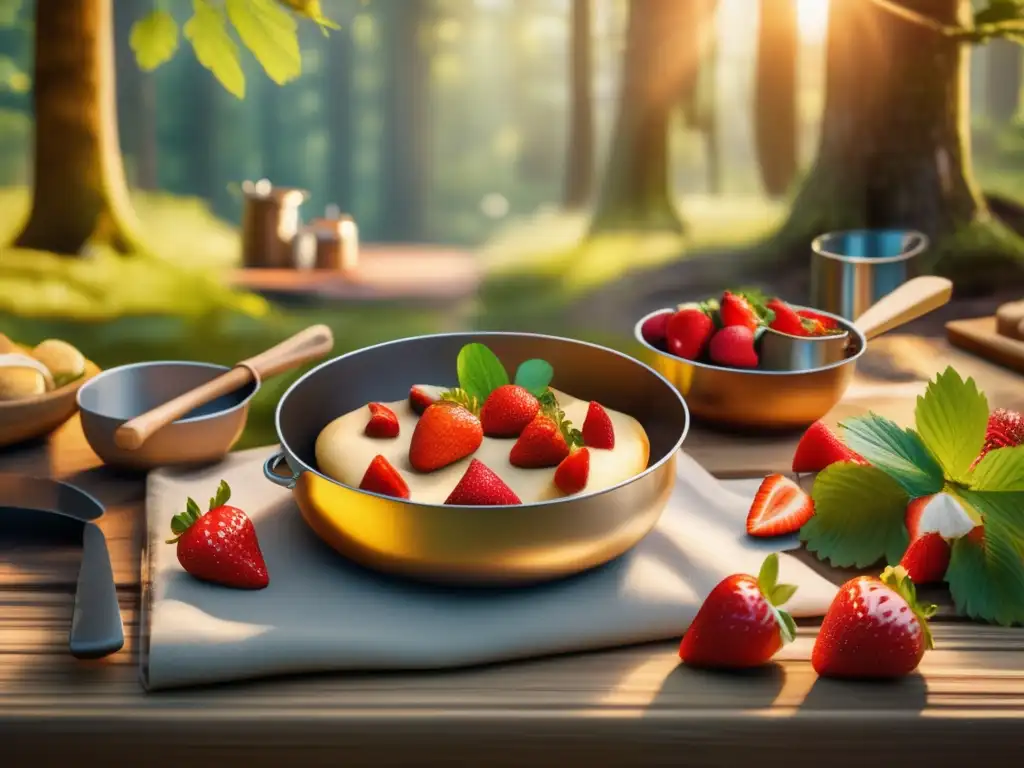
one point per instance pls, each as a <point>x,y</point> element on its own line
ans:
<point>755,399</point>
<point>482,546</point>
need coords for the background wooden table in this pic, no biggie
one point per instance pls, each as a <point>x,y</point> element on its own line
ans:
<point>630,707</point>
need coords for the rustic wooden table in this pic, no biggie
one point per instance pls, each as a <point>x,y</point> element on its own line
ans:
<point>630,707</point>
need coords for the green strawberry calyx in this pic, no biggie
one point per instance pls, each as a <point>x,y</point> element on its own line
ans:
<point>777,595</point>
<point>461,397</point>
<point>550,408</point>
<point>185,520</point>
<point>898,580</point>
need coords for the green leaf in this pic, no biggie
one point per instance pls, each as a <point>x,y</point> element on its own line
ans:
<point>270,32</point>
<point>154,39</point>
<point>534,376</point>
<point>897,452</point>
<point>9,10</point>
<point>769,574</point>
<point>781,594</point>
<point>222,495</point>
<point>859,516</point>
<point>951,418</point>
<point>986,580</point>
<point>214,47</point>
<point>1006,509</point>
<point>480,371</point>
<point>787,627</point>
<point>998,11</point>
<point>1000,470</point>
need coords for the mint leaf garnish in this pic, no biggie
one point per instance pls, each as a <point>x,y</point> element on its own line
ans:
<point>859,516</point>
<point>951,418</point>
<point>534,376</point>
<point>1000,470</point>
<point>986,578</point>
<point>898,452</point>
<point>480,371</point>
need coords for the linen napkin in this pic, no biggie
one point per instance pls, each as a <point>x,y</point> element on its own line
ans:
<point>322,613</point>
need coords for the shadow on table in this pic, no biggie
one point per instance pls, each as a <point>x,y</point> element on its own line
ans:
<point>691,688</point>
<point>909,694</point>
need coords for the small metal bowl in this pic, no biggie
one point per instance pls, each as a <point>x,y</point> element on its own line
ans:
<point>200,437</point>
<point>748,400</point>
<point>479,546</point>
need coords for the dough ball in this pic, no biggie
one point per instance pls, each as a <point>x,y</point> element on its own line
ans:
<point>19,383</point>
<point>64,361</point>
<point>7,346</point>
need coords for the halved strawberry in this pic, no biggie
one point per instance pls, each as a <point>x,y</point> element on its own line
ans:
<point>780,507</point>
<point>445,433</point>
<point>507,411</point>
<point>821,447</point>
<point>541,444</point>
<point>479,487</point>
<point>381,477</point>
<point>927,559</point>
<point>939,513</point>
<point>422,396</point>
<point>598,431</point>
<point>571,475</point>
<point>383,422</point>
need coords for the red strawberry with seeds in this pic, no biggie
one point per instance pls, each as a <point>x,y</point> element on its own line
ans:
<point>780,507</point>
<point>927,559</point>
<point>786,319</point>
<point>598,431</point>
<point>381,477</point>
<point>818,320</point>
<point>445,433</point>
<point>507,411</point>
<point>741,624</point>
<point>382,423</point>
<point>571,475</point>
<point>820,447</point>
<point>422,396</point>
<point>687,333</point>
<point>654,329</point>
<point>541,444</point>
<point>875,628</point>
<point>1005,430</point>
<point>736,310</point>
<point>481,487</point>
<point>220,545</point>
<point>734,346</point>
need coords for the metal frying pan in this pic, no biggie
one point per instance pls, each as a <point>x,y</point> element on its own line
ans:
<point>96,626</point>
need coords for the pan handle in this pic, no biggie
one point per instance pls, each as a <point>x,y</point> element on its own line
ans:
<point>270,471</point>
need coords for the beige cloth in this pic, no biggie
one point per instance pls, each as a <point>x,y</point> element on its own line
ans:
<point>320,613</point>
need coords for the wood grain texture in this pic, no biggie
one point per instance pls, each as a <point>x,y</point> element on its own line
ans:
<point>981,337</point>
<point>631,707</point>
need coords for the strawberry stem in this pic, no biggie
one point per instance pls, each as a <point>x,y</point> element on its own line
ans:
<point>777,595</point>
<point>549,407</point>
<point>185,520</point>
<point>897,579</point>
<point>462,397</point>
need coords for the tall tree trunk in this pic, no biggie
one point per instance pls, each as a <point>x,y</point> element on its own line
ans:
<point>579,173</point>
<point>203,157</point>
<point>658,59</point>
<point>338,101</point>
<point>1003,80</point>
<point>775,106</point>
<point>79,192</point>
<point>894,148</point>
<point>407,129</point>
<point>136,99</point>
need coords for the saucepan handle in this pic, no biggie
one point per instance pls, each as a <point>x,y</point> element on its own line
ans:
<point>270,471</point>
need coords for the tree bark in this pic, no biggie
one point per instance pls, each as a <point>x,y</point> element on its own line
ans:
<point>136,99</point>
<point>1003,80</point>
<point>579,174</point>
<point>658,59</point>
<point>338,101</point>
<point>775,105</point>
<point>79,194</point>
<point>894,149</point>
<point>407,121</point>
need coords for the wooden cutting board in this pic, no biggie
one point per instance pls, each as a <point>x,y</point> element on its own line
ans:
<point>981,337</point>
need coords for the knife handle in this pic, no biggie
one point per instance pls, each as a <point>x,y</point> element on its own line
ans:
<point>96,627</point>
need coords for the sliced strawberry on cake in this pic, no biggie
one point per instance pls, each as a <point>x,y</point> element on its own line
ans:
<point>508,410</point>
<point>571,475</point>
<point>381,477</point>
<point>598,431</point>
<point>422,396</point>
<point>383,422</point>
<point>480,486</point>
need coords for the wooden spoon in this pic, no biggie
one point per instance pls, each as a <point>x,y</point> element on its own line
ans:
<point>310,344</point>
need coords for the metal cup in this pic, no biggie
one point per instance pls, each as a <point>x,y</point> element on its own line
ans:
<point>852,270</point>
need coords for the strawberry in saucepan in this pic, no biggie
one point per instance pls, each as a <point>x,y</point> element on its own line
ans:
<point>741,623</point>
<point>571,475</point>
<point>655,328</point>
<point>875,628</point>
<point>445,433</point>
<point>507,411</point>
<point>422,396</point>
<point>598,431</point>
<point>542,444</point>
<point>733,346</point>
<point>383,423</point>
<point>480,486</point>
<point>736,310</point>
<point>687,333</point>
<point>381,477</point>
<point>220,545</point>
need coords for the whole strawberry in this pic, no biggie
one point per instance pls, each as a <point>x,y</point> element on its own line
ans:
<point>874,628</point>
<point>542,444</point>
<point>445,433</point>
<point>741,624</point>
<point>734,346</point>
<point>507,411</point>
<point>820,447</point>
<point>927,559</point>
<point>786,319</point>
<point>655,327</point>
<point>687,333</point>
<point>220,545</point>
<point>736,310</point>
<point>480,486</point>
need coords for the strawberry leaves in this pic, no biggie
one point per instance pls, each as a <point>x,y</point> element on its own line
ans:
<point>221,497</point>
<point>1000,470</point>
<point>900,453</point>
<point>859,516</point>
<point>550,408</point>
<point>777,595</point>
<point>951,418</point>
<point>534,376</point>
<point>986,576</point>
<point>185,520</point>
<point>480,371</point>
